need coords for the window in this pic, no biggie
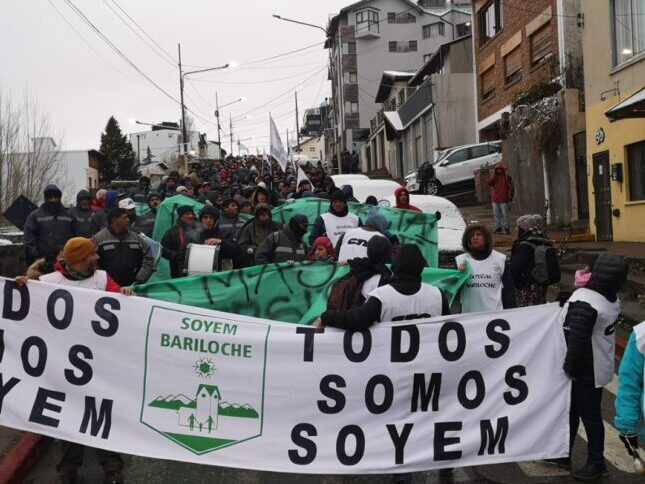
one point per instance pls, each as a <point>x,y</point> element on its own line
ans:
<point>458,157</point>
<point>400,18</point>
<point>351,107</point>
<point>367,20</point>
<point>479,151</point>
<point>351,78</point>
<point>541,45</point>
<point>392,46</point>
<point>463,29</point>
<point>629,29</point>
<point>491,20</point>
<point>412,46</point>
<point>488,84</point>
<point>636,166</point>
<point>513,66</point>
<point>349,48</point>
<point>433,30</point>
<point>433,3</point>
<point>401,96</point>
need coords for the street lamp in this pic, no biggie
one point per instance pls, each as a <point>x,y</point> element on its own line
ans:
<point>299,22</point>
<point>217,108</point>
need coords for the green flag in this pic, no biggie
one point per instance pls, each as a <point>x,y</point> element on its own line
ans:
<point>292,293</point>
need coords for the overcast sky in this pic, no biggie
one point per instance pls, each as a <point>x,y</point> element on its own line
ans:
<point>79,81</point>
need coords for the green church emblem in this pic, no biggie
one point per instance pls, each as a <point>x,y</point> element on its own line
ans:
<point>194,367</point>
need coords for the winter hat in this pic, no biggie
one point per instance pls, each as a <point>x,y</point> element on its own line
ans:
<point>379,250</point>
<point>183,209</point>
<point>52,191</point>
<point>303,182</point>
<point>100,193</point>
<point>111,199</point>
<point>77,249</point>
<point>299,224</point>
<point>229,201</point>
<point>127,204</point>
<point>376,219</point>
<point>83,195</point>
<point>348,191</point>
<point>530,223</point>
<point>181,189</point>
<point>371,200</point>
<point>261,208</point>
<point>262,185</point>
<point>153,194</point>
<point>409,262</point>
<point>323,241</point>
<point>209,210</point>
<point>338,195</point>
<point>114,213</point>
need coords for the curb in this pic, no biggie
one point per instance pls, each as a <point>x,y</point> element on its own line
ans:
<point>24,455</point>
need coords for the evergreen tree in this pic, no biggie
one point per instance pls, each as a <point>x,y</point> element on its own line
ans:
<point>120,162</point>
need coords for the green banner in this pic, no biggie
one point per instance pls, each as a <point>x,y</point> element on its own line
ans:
<point>409,226</point>
<point>292,293</point>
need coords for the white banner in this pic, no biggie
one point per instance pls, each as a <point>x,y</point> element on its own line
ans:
<point>162,380</point>
<point>276,147</point>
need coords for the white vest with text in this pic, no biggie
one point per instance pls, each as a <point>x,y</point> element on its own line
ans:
<point>97,281</point>
<point>336,226</point>
<point>603,337</point>
<point>425,303</point>
<point>354,243</point>
<point>483,291</point>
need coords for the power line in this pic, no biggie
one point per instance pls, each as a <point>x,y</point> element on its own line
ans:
<point>259,82</point>
<point>105,39</point>
<point>166,58</point>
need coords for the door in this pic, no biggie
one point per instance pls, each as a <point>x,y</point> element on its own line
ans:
<point>602,196</point>
<point>456,167</point>
<point>580,155</point>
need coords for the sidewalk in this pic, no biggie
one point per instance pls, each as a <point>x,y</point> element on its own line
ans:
<point>19,453</point>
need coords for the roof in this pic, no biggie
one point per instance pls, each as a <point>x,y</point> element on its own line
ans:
<point>210,389</point>
<point>632,107</point>
<point>332,27</point>
<point>386,83</point>
<point>428,65</point>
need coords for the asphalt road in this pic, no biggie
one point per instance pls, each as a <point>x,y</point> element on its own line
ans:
<point>141,470</point>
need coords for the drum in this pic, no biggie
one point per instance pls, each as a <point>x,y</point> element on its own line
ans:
<point>201,259</point>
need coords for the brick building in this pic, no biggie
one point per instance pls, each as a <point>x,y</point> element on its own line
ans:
<point>529,83</point>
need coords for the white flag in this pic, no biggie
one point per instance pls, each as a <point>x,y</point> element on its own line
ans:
<point>277,148</point>
<point>303,176</point>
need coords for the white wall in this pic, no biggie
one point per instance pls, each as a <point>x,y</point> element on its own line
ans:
<point>77,169</point>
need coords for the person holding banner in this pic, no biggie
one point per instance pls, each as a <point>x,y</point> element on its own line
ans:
<point>490,287</point>
<point>589,325</point>
<point>353,243</point>
<point>336,221</point>
<point>79,268</point>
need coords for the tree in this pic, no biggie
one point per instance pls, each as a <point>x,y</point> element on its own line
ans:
<point>120,161</point>
<point>29,157</point>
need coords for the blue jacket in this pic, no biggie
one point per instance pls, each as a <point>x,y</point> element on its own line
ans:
<point>630,401</point>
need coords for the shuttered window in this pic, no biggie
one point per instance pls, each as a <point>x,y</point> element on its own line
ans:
<point>541,45</point>
<point>513,66</point>
<point>488,84</point>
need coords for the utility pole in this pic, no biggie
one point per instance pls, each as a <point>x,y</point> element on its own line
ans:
<point>183,111</point>
<point>219,141</point>
<point>297,125</point>
<point>230,130</point>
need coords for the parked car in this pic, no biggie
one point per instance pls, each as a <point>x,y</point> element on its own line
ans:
<point>341,180</point>
<point>454,168</point>
<point>381,189</point>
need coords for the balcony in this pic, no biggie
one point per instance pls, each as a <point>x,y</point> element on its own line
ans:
<point>368,30</point>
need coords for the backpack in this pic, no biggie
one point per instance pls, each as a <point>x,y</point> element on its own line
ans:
<point>345,293</point>
<point>546,266</point>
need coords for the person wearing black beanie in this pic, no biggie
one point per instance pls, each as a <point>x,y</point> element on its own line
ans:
<point>336,221</point>
<point>176,239</point>
<point>405,298</point>
<point>285,245</point>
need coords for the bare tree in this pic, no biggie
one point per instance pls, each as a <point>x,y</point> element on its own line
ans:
<point>29,156</point>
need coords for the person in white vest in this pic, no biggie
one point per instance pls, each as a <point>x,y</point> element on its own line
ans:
<point>405,298</point>
<point>353,243</point>
<point>336,221</point>
<point>590,316</point>
<point>78,268</point>
<point>630,398</point>
<point>490,287</point>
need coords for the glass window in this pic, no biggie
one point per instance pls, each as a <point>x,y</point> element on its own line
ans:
<point>490,20</point>
<point>636,166</point>
<point>629,29</point>
<point>367,20</point>
<point>463,29</point>
<point>351,107</point>
<point>391,17</point>
<point>488,84</point>
<point>513,66</point>
<point>479,151</point>
<point>433,3</point>
<point>541,45</point>
<point>413,46</point>
<point>433,30</point>
<point>351,47</point>
<point>458,157</point>
<point>392,46</point>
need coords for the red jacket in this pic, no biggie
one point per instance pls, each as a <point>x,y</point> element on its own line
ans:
<point>407,206</point>
<point>502,188</point>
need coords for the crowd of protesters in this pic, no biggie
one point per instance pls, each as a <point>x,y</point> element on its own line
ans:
<point>101,243</point>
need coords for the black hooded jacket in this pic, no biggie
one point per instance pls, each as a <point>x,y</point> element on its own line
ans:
<point>83,217</point>
<point>407,269</point>
<point>319,225</point>
<point>608,274</point>
<point>523,258</point>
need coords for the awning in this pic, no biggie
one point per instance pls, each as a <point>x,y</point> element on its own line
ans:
<point>632,107</point>
<point>393,118</point>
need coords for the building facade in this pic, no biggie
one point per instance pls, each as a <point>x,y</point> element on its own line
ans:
<point>369,37</point>
<point>530,93</point>
<point>614,48</point>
